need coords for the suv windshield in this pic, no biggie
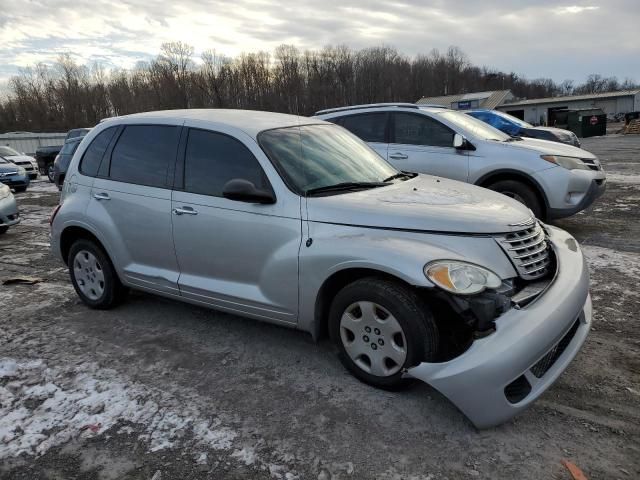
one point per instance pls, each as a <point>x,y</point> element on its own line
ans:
<point>473,126</point>
<point>512,119</point>
<point>8,152</point>
<point>312,157</point>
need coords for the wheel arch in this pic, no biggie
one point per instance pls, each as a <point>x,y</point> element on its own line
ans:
<point>74,232</point>
<point>333,284</point>
<point>509,174</point>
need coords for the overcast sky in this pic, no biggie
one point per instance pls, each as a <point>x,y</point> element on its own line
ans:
<point>534,38</point>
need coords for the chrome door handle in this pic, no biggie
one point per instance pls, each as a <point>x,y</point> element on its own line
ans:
<point>101,196</point>
<point>185,211</point>
<point>398,156</point>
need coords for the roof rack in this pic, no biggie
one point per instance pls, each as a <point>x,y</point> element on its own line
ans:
<point>368,105</point>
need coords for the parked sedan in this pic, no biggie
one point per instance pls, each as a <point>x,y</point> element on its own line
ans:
<point>8,209</point>
<point>14,176</point>
<point>515,127</point>
<point>25,161</point>
<point>62,160</point>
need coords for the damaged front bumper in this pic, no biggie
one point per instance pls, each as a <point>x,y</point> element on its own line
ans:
<point>503,373</point>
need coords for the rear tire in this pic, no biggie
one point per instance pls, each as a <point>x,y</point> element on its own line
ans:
<point>50,173</point>
<point>93,276</point>
<point>521,193</point>
<point>381,328</point>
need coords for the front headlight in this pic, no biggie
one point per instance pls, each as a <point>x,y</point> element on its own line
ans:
<point>4,191</point>
<point>570,163</point>
<point>21,171</point>
<point>461,277</point>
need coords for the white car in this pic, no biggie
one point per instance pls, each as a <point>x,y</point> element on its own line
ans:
<point>553,179</point>
<point>20,159</point>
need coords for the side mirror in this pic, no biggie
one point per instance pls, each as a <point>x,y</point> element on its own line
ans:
<point>243,190</point>
<point>458,141</point>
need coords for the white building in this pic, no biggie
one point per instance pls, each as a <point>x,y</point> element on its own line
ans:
<point>540,111</point>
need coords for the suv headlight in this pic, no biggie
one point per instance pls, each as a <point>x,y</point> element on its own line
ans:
<point>570,163</point>
<point>461,277</point>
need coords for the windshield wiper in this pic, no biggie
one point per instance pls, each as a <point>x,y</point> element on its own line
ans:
<point>345,186</point>
<point>517,138</point>
<point>399,175</point>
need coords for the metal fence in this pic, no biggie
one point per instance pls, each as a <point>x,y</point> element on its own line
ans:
<point>28,142</point>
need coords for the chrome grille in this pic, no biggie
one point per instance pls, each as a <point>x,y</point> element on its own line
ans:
<point>528,250</point>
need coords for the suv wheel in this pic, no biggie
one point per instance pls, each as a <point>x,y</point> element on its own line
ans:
<point>50,172</point>
<point>93,276</point>
<point>381,328</point>
<point>520,192</point>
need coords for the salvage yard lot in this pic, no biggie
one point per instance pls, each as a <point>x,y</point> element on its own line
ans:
<point>159,386</point>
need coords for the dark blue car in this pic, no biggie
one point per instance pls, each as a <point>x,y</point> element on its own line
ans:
<point>518,128</point>
<point>13,175</point>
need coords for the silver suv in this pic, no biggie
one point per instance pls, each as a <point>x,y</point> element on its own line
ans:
<point>296,221</point>
<point>553,179</point>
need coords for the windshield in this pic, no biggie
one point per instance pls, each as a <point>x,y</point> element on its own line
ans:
<point>3,161</point>
<point>473,126</point>
<point>316,156</point>
<point>8,152</point>
<point>511,118</point>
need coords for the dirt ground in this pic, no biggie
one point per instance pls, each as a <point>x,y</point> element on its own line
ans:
<point>162,390</point>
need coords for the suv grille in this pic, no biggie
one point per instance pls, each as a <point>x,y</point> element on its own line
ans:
<point>589,162</point>
<point>528,250</point>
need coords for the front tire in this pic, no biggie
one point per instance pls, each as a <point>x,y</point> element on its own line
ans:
<point>381,328</point>
<point>20,189</point>
<point>93,276</point>
<point>521,193</point>
<point>3,230</point>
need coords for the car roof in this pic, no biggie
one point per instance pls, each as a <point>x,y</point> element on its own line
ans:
<point>378,107</point>
<point>251,122</point>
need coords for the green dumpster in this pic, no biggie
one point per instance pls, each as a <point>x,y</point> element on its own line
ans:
<point>587,122</point>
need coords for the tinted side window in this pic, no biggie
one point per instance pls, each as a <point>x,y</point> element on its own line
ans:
<point>421,130</point>
<point>143,154</point>
<point>212,159</point>
<point>93,154</point>
<point>370,127</point>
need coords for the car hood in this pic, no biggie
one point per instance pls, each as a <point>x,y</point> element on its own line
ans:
<point>545,147</point>
<point>20,158</point>
<point>5,167</point>
<point>424,203</point>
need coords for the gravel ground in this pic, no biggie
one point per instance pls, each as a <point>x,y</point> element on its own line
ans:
<point>158,389</point>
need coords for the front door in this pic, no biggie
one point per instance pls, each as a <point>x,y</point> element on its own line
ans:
<point>422,144</point>
<point>233,255</point>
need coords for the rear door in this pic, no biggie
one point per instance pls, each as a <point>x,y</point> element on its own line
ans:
<point>371,127</point>
<point>423,144</point>
<point>233,255</point>
<point>131,204</point>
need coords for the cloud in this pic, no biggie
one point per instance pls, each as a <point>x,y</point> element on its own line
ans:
<point>532,38</point>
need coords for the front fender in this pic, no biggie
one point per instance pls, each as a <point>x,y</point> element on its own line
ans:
<point>334,248</point>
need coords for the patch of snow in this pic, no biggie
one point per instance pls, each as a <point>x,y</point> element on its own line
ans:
<point>622,178</point>
<point>246,455</point>
<point>598,258</point>
<point>42,407</point>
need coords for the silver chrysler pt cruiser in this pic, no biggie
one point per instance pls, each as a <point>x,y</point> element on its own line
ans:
<point>298,222</point>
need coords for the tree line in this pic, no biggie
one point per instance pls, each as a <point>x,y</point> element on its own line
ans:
<point>66,95</point>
